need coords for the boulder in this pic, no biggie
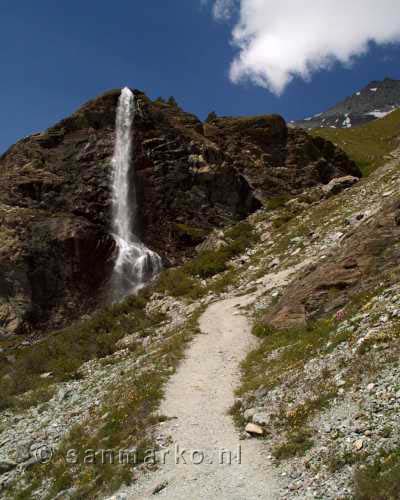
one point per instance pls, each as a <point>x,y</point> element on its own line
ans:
<point>261,419</point>
<point>254,429</point>
<point>125,342</point>
<point>364,256</point>
<point>338,185</point>
<point>249,414</point>
<point>215,241</point>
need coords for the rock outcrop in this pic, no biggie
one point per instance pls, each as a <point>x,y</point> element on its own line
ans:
<point>277,160</point>
<point>365,257</point>
<point>56,251</point>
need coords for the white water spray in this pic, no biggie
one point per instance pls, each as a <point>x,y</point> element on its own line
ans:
<point>135,264</point>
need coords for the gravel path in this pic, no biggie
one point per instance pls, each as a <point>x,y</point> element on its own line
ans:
<point>197,400</point>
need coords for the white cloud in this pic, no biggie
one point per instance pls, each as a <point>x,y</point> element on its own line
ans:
<point>223,9</point>
<point>279,40</point>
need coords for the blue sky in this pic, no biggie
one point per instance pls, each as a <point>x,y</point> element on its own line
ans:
<point>57,55</point>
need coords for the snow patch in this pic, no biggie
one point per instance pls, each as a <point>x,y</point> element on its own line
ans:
<point>347,122</point>
<point>380,114</point>
<point>373,90</point>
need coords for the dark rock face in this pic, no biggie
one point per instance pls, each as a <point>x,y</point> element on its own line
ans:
<point>371,251</point>
<point>56,252</point>
<point>374,101</point>
<point>276,160</point>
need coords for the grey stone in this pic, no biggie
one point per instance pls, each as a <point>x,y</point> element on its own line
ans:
<point>23,451</point>
<point>64,394</point>
<point>254,429</point>
<point>338,184</point>
<point>261,392</point>
<point>65,495</point>
<point>261,419</point>
<point>274,263</point>
<point>248,414</point>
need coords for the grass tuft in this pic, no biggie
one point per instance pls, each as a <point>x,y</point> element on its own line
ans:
<point>292,348</point>
<point>296,445</point>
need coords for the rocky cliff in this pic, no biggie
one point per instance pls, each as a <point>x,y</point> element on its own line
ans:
<point>56,251</point>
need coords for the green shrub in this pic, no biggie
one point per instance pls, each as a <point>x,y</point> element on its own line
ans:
<point>178,283</point>
<point>211,117</point>
<point>336,462</point>
<point>242,236</point>
<point>282,220</point>
<point>62,353</point>
<point>296,445</point>
<point>379,480</point>
<point>172,102</point>
<point>223,282</point>
<point>295,346</point>
<point>276,202</point>
<point>183,281</point>
<point>262,330</point>
<point>209,263</point>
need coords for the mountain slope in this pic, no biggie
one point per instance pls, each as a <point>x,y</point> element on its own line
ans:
<point>324,392</point>
<point>56,250</point>
<point>376,100</point>
<point>368,145</point>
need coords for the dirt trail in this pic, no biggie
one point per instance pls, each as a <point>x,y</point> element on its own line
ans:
<point>197,400</point>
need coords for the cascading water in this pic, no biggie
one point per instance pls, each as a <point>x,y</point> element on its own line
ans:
<point>135,264</point>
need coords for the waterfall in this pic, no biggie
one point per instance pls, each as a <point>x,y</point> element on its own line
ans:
<point>135,264</point>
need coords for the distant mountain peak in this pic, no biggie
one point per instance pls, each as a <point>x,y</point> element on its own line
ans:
<point>375,100</point>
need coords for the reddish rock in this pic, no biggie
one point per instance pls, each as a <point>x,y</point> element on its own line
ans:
<point>359,265</point>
